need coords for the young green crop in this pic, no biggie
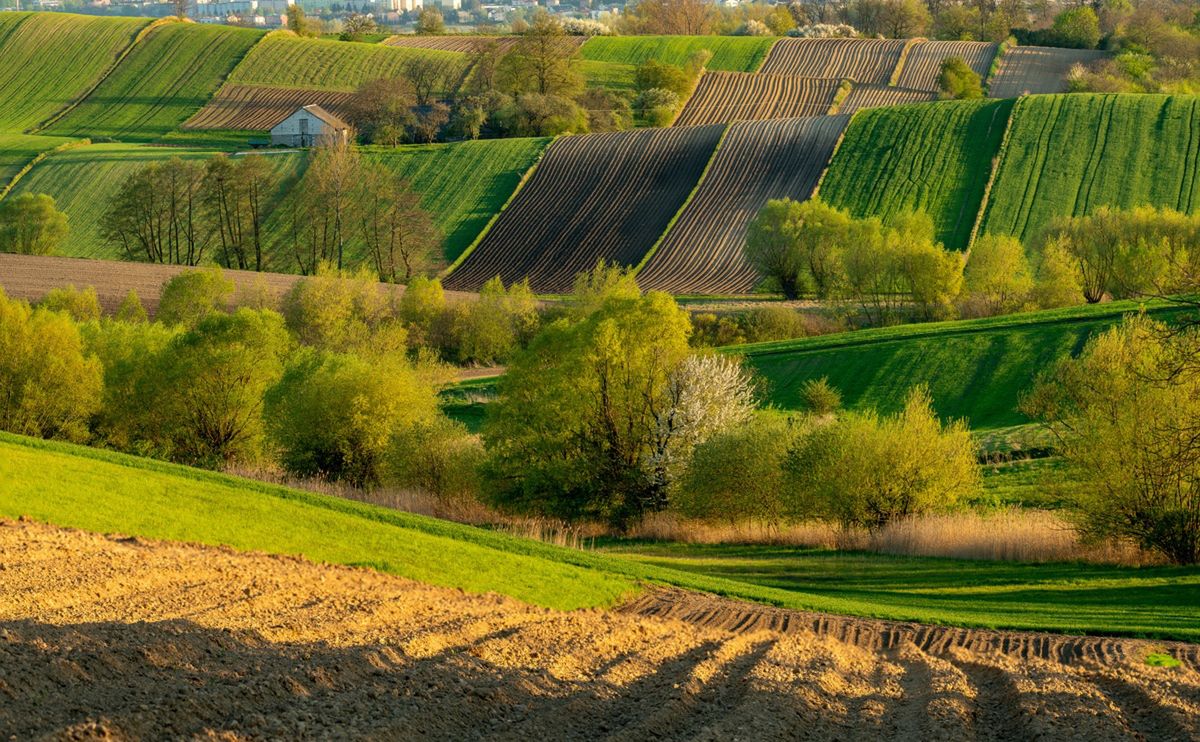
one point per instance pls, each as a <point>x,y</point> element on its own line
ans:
<point>729,53</point>
<point>1067,155</point>
<point>17,151</point>
<point>166,78</point>
<point>931,157</point>
<point>50,59</point>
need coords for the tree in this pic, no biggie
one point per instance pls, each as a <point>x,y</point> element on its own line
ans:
<point>337,415</point>
<point>421,306</point>
<point>959,81</point>
<point>356,26</point>
<point>428,77</point>
<point>541,61</point>
<point>868,470</point>
<point>182,8</point>
<point>155,215</point>
<point>605,110</point>
<point>595,414</point>
<point>1124,414</point>
<point>484,63</point>
<point>997,278</point>
<point>233,193</point>
<point>80,305</point>
<point>489,329</point>
<point>655,74</point>
<point>800,243</point>
<point>430,21</point>
<point>657,107</point>
<point>772,248</point>
<point>131,309</point>
<point>343,312</point>
<point>533,114</point>
<point>674,17</point>
<point>382,110</point>
<point>1077,28</point>
<point>930,274</point>
<point>48,387</point>
<point>31,225</point>
<point>189,297</point>
<point>429,122</point>
<point>298,23</point>
<point>895,19</point>
<point>399,234</point>
<point>321,213</point>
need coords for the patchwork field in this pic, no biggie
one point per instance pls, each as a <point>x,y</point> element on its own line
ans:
<point>923,61</point>
<point>51,59</point>
<point>166,78</point>
<point>1070,154</point>
<point>18,151</point>
<point>729,53</point>
<point>757,161</point>
<point>286,61</point>
<point>253,108</point>
<point>592,196</point>
<point>975,369</point>
<point>934,157</point>
<point>721,97</point>
<point>868,61</point>
<point>1037,69</point>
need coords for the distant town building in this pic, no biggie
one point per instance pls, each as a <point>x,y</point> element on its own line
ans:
<point>306,126</point>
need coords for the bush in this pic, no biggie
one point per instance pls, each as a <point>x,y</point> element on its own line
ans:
<point>31,225</point>
<point>48,387</point>
<point>342,311</point>
<point>657,106</point>
<point>192,295</point>
<point>489,329</point>
<point>997,279</point>
<point>868,470</point>
<point>1077,28</point>
<point>80,305</point>
<point>128,353</point>
<point>957,80</point>
<point>655,75</point>
<point>131,309</point>
<point>439,457</point>
<point>820,397</point>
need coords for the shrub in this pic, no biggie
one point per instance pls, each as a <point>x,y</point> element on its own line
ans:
<point>48,387</point>
<point>868,470</point>
<point>997,279</point>
<point>31,225</point>
<point>1077,28</point>
<point>80,305</point>
<point>820,397</point>
<point>763,324</point>
<point>657,106</point>
<point>957,80</point>
<point>342,311</point>
<point>192,295</point>
<point>128,353</point>
<point>439,457</point>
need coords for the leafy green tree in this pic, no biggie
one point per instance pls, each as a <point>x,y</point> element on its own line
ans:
<point>541,61</point>
<point>430,21</point>
<point>657,107</point>
<point>48,387</point>
<point>381,110</point>
<point>488,330</point>
<point>997,278</point>
<point>958,81</point>
<point>81,305</point>
<point>128,353</point>
<point>421,306</point>
<point>337,415</point>
<point>1077,28</point>
<point>802,244</point>
<point>132,309</point>
<point>1125,416</point>
<point>189,297</point>
<point>868,470</point>
<point>343,311</point>
<point>31,225</point>
<point>439,457</point>
<point>773,249</point>
<point>653,74</point>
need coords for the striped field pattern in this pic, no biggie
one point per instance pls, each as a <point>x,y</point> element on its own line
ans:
<point>1036,69</point>
<point>876,96</point>
<point>757,161</point>
<point>250,107</point>
<point>592,196</point>
<point>923,63</point>
<point>722,97</point>
<point>869,61</point>
<point>466,44</point>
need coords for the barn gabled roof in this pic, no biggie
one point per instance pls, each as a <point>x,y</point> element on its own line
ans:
<point>326,116</point>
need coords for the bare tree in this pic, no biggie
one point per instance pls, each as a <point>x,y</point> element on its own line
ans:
<point>322,207</point>
<point>684,17</point>
<point>155,215</point>
<point>232,193</point>
<point>398,233</point>
<point>428,77</point>
<point>182,8</point>
<point>542,61</point>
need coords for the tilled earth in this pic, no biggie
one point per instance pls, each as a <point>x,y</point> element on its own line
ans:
<point>115,638</point>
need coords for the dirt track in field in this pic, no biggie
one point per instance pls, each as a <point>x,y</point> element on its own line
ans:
<point>135,639</point>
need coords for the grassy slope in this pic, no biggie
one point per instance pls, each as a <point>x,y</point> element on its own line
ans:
<point>167,77</point>
<point>83,180</point>
<point>975,369</point>
<point>282,60</point>
<point>49,59</point>
<point>731,53</point>
<point>1069,154</point>
<point>107,492</point>
<point>463,184</point>
<point>18,150</point>
<point>931,157</point>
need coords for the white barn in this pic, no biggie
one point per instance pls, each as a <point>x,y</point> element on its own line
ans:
<point>306,126</point>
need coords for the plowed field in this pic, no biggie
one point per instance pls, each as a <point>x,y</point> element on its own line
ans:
<point>924,60</point>
<point>758,161</point>
<point>592,196</point>
<point>869,61</point>
<point>249,107</point>
<point>129,638</point>
<point>722,97</point>
<point>1038,69</point>
<point>876,96</point>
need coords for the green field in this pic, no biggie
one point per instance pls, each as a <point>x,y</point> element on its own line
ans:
<point>50,59</point>
<point>1069,154</point>
<point>83,181</point>
<point>930,157</point>
<point>165,79</point>
<point>729,53</point>
<point>975,369</point>
<point>286,61</point>
<point>463,184</point>
<point>606,74</point>
<point>18,150</point>
<point>108,492</point>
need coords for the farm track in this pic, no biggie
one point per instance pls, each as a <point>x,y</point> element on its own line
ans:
<point>757,161</point>
<point>923,63</point>
<point>252,107</point>
<point>877,96</point>
<point>29,277</point>
<point>129,638</point>
<point>1037,69</point>
<point>592,196</point>
<point>867,61</point>
<point>722,97</point>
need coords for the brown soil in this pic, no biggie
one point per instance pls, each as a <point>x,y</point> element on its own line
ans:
<point>109,637</point>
